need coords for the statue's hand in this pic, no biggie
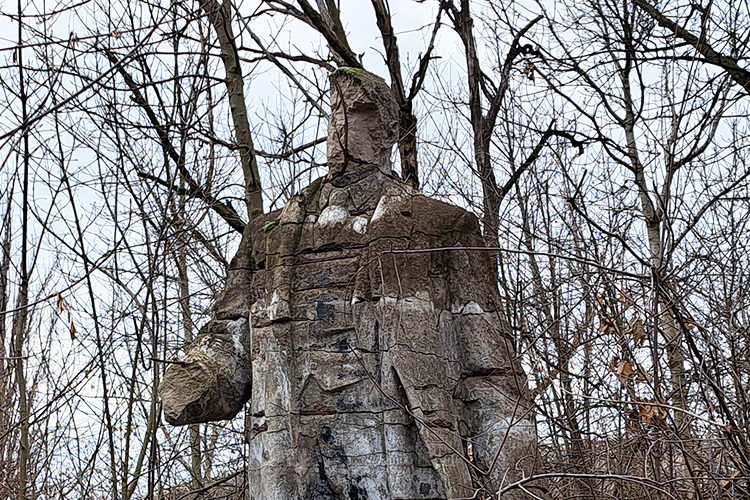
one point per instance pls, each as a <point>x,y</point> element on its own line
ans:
<point>213,380</point>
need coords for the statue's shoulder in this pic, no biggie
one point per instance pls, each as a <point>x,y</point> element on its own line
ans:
<point>426,215</point>
<point>441,217</point>
<point>353,212</point>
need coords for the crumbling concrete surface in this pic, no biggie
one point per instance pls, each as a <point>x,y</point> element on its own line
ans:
<point>372,333</point>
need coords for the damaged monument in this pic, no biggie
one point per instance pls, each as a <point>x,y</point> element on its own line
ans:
<point>367,335</point>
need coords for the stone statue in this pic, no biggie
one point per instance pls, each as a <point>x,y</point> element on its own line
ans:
<point>373,373</point>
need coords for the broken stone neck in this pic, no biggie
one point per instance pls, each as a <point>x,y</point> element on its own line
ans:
<point>363,126</point>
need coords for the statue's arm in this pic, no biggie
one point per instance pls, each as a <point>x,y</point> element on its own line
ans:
<point>212,381</point>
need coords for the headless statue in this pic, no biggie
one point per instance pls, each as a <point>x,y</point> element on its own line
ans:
<point>367,335</point>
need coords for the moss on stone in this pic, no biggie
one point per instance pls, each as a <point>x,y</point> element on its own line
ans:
<point>348,71</point>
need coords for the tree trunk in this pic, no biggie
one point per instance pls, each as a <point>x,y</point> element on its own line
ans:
<point>21,315</point>
<point>407,143</point>
<point>220,17</point>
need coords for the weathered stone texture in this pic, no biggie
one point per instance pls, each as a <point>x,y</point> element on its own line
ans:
<point>375,375</point>
<point>212,381</point>
<point>363,125</point>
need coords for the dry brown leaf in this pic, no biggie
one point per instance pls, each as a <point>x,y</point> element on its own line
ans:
<point>643,377</point>
<point>625,370</point>
<point>529,70</point>
<point>606,325</point>
<point>632,422</point>
<point>613,363</point>
<point>652,413</point>
<point>637,330</point>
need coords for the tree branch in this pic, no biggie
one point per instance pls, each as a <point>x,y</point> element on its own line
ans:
<point>220,18</point>
<point>272,57</point>
<point>424,61</point>
<point>515,51</point>
<point>291,152</point>
<point>407,142</point>
<point>340,47</point>
<point>739,75</point>
<point>224,210</point>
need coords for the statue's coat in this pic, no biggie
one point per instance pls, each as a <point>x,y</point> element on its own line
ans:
<point>367,330</point>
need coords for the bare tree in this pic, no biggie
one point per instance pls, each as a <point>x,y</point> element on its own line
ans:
<point>603,145</point>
